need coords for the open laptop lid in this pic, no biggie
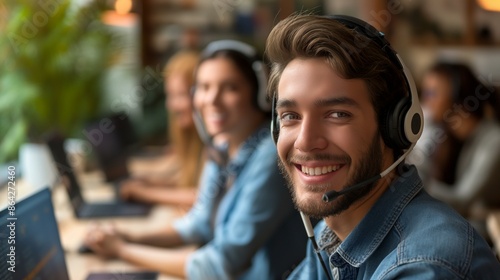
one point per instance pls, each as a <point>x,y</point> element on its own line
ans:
<point>111,137</point>
<point>30,240</point>
<point>66,171</point>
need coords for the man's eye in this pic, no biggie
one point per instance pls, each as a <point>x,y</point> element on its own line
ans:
<point>288,117</point>
<point>340,115</point>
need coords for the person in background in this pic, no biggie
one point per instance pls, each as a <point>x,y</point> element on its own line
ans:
<point>243,221</point>
<point>180,170</point>
<point>464,109</point>
<point>347,115</point>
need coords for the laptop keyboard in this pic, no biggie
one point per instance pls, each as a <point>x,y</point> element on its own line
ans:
<point>112,210</point>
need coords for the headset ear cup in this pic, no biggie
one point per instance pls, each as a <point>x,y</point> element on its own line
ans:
<point>262,101</point>
<point>393,128</point>
<point>275,122</point>
<point>258,66</point>
<point>275,129</point>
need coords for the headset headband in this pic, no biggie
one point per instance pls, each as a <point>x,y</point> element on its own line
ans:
<point>413,119</point>
<point>403,124</point>
<point>257,66</point>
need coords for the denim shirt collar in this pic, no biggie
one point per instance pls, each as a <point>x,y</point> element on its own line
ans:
<point>228,173</point>
<point>246,149</point>
<point>357,248</point>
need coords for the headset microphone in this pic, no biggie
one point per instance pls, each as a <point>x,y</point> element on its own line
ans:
<point>218,154</point>
<point>331,195</point>
<point>400,127</point>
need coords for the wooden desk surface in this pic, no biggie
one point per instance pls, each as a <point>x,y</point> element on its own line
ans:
<point>73,230</point>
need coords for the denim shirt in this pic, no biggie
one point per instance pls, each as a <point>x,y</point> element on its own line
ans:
<point>246,230</point>
<point>406,235</point>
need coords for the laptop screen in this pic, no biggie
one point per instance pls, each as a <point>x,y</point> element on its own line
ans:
<point>111,137</point>
<point>66,171</point>
<point>30,246</point>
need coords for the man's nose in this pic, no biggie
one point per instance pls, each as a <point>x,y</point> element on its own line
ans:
<point>311,136</point>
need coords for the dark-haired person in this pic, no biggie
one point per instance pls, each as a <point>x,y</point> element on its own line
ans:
<point>457,102</point>
<point>244,220</point>
<point>346,115</point>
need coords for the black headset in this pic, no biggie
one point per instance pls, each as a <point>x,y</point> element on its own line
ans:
<point>250,53</point>
<point>403,124</point>
<point>219,154</point>
<point>456,83</point>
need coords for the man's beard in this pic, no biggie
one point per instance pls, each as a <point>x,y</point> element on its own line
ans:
<point>368,166</point>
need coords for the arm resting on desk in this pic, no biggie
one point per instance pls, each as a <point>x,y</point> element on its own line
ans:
<point>162,237</point>
<point>158,195</point>
<point>107,242</point>
<point>166,261</point>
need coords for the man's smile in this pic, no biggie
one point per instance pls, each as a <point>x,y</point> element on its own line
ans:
<point>318,170</point>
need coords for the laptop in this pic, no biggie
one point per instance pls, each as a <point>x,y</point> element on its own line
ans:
<point>111,138</point>
<point>82,208</point>
<point>32,247</point>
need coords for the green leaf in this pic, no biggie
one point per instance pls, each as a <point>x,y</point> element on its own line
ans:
<point>12,140</point>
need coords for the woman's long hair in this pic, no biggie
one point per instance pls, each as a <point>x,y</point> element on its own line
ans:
<point>186,143</point>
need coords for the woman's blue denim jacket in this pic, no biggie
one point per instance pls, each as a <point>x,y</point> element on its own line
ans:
<point>247,226</point>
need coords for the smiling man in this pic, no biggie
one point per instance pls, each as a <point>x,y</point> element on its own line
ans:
<point>346,116</point>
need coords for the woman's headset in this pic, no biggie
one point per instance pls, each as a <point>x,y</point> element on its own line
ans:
<point>219,154</point>
<point>250,53</point>
<point>402,126</point>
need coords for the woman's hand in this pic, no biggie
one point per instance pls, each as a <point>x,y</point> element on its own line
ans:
<point>105,241</point>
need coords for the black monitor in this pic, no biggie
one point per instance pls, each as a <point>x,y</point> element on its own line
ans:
<point>111,138</point>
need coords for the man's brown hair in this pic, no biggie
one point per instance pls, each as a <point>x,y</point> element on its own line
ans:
<point>351,54</point>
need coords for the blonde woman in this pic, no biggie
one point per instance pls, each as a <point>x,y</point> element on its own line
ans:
<point>182,166</point>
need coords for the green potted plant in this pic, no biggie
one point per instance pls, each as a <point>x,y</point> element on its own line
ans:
<point>54,55</point>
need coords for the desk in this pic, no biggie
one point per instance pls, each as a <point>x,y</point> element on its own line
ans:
<point>72,230</point>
